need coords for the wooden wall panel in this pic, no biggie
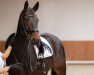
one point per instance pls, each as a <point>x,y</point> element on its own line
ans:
<point>79,50</point>
<point>2,46</point>
<point>75,50</point>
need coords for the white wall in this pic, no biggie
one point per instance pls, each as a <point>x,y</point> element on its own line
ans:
<point>67,19</point>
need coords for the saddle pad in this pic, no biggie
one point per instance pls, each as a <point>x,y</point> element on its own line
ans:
<point>47,49</point>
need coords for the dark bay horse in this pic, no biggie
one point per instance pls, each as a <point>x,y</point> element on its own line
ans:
<point>23,51</point>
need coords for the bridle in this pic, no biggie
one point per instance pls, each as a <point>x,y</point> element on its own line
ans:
<point>29,31</point>
<point>28,37</point>
<point>29,44</point>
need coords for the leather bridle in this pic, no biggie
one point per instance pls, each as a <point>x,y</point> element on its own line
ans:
<point>29,31</point>
<point>29,43</point>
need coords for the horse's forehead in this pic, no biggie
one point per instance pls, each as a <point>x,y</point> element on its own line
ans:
<point>30,11</point>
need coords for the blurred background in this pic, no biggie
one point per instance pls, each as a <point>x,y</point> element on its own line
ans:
<point>70,20</point>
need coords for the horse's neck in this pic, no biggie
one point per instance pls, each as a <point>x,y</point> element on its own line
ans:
<point>19,42</point>
<point>19,47</point>
<point>23,49</point>
<point>19,30</point>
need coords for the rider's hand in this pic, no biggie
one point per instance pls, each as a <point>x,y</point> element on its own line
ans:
<point>15,66</point>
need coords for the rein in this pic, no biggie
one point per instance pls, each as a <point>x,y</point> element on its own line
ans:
<point>29,44</point>
<point>16,58</point>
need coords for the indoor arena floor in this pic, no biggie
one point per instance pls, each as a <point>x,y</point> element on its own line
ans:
<point>78,70</point>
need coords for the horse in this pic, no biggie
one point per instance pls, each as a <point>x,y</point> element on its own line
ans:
<point>23,50</point>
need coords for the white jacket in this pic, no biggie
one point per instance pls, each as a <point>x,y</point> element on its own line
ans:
<point>1,62</point>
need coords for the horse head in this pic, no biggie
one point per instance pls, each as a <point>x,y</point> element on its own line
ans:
<point>29,23</point>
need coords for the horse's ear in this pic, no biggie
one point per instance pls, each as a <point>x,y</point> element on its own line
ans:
<point>26,5</point>
<point>36,6</point>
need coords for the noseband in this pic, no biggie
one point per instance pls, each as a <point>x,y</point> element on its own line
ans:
<point>32,31</point>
